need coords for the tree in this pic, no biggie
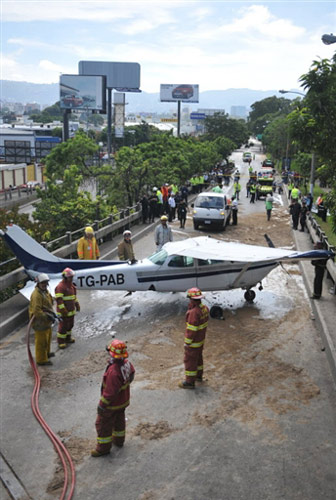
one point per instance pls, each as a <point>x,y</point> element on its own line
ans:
<point>64,208</point>
<point>220,125</point>
<point>76,151</point>
<point>264,111</point>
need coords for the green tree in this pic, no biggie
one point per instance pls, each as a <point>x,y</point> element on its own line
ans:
<point>63,207</point>
<point>264,111</point>
<point>220,125</point>
<point>76,151</point>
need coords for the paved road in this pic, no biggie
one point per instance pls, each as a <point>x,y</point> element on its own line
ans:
<point>263,427</point>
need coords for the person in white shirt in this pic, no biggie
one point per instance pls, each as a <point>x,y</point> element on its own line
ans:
<point>163,233</point>
<point>172,207</point>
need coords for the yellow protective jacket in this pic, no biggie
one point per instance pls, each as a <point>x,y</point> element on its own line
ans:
<point>88,249</point>
<point>40,303</point>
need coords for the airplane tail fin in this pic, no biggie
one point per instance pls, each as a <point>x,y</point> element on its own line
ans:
<point>25,248</point>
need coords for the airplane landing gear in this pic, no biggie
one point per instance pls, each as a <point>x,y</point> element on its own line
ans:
<point>249,295</point>
<point>216,312</point>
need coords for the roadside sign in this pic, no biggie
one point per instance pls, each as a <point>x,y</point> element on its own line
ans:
<point>168,120</point>
<point>197,116</point>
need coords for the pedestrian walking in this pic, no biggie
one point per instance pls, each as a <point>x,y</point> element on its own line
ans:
<point>153,201</point>
<point>320,266</point>
<point>248,185</point>
<point>172,207</point>
<point>234,209</point>
<point>87,247</point>
<point>236,189</point>
<point>66,308</point>
<point>253,190</point>
<point>41,307</point>
<point>196,326</point>
<point>269,205</point>
<point>294,210</point>
<point>163,233</point>
<point>115,397</point>
<point>290,187</point>
<point>125,248</point>
<point>182,213</point>
<point>144,208</point>
<point>303,215</point>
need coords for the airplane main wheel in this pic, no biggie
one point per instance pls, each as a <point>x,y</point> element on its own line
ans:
<point>249,295</point>
<point>216,312</point>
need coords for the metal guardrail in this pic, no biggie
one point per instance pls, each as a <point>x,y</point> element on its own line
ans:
<point>67,245</point>
<point>317,234</point>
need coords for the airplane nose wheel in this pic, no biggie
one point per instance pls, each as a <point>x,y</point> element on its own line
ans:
<point>216,312</point>
<point>249,295</point>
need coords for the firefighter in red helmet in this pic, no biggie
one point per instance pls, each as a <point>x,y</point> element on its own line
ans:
<point>67,306</point>
<point>114,399</point>
<point>196,325</point>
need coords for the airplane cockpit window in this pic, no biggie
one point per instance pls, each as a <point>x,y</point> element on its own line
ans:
<point>159,258</point>
<point>209,202</point>
<point>208,262</point>
<point>180,261</point>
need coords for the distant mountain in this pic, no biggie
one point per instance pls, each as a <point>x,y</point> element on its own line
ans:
<point>44,93</point>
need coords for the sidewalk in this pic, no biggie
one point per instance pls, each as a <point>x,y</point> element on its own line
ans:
<point>324,310</point>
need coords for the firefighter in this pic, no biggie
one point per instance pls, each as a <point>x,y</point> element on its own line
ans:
<point>41,307</point>
<point>67,306</point>
<point>87,247</point>
<point>115,397</point>
<point>125,248</point>
<point>196,325</point>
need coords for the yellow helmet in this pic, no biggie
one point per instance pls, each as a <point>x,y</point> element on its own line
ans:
<point>89,230</point>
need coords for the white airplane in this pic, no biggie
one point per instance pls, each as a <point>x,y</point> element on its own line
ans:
<point>204,262</point>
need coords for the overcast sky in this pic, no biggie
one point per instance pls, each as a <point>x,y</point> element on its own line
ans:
<point>259,45</point>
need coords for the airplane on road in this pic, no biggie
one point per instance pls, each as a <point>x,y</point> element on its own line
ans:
<point>205,262</point>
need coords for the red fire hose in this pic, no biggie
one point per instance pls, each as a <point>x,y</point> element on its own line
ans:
<point>59,446</point>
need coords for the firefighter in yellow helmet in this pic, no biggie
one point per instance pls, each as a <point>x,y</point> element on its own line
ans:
<point>114,399</point>
<point>67,306</point>
<point>41,307</point>
<point>196,326</point>
<point>87,247</point>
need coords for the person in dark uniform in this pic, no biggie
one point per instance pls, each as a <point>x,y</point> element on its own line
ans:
<point>294,210</point>
<point>320,266</point>
<point>144,206</point>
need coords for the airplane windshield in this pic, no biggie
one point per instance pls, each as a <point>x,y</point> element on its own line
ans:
<point>158,258</point>
<point>209,202</point>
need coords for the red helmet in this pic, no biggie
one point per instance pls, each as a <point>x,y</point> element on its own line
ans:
<point>117,349</point>
<point>195,293</point>
<point>68,273</point>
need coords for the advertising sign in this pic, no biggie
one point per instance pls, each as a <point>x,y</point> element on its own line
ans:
<point>174,93</point>
<point>83,92</point>
<point>121,76</point>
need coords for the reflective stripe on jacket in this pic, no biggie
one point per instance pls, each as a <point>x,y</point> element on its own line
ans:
<point>196,324</point>
<point>115,389</point>
<point>66,298</point>
<point>39,303</point>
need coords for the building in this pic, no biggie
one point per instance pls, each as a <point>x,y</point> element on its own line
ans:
<point>239,112</point>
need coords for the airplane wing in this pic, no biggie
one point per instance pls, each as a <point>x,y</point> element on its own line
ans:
<point>205,248</point>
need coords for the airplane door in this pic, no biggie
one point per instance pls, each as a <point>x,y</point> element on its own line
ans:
<point>210,275</point>
<point>177,274</point>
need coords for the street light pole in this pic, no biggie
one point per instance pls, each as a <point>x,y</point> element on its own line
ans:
<point>312,165</point>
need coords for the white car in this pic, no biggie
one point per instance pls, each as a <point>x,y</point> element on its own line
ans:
<point>211,209</point>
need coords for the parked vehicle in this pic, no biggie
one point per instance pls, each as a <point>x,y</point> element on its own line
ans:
<point>211,209</point>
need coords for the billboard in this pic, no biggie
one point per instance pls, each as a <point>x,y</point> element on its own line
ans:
<point>183,92</point>
<point>121,76</point>
<point>83,92</point>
